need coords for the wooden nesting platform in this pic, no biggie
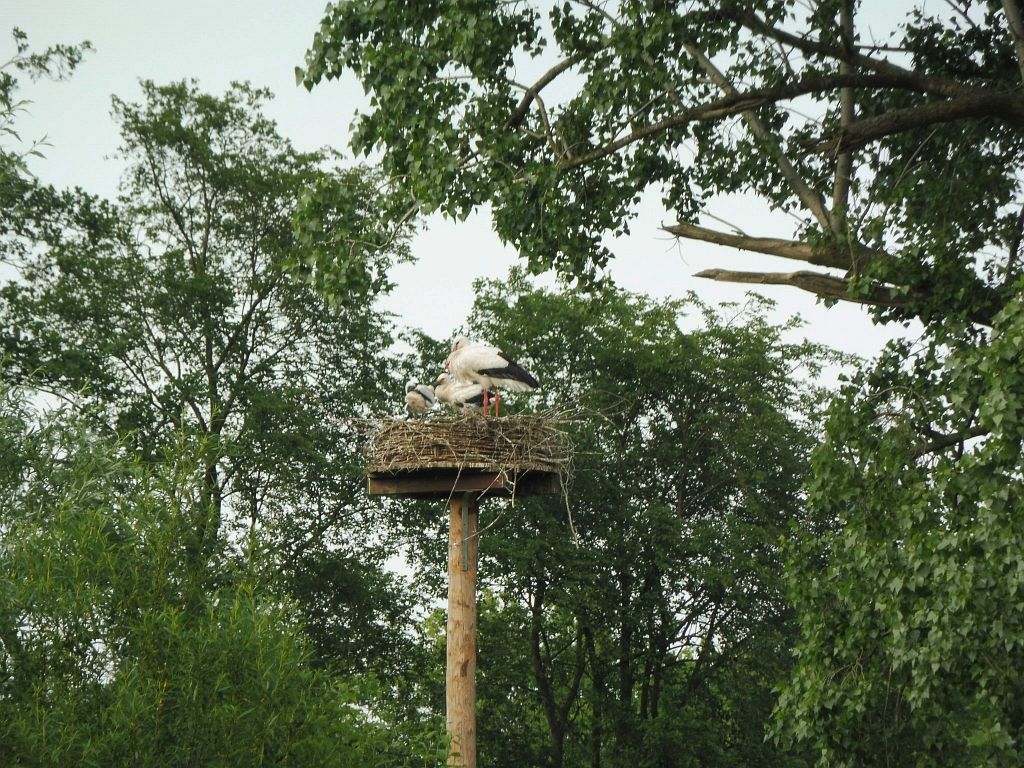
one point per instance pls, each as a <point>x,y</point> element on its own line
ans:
<point>460,459</point>
<point>438,457</point>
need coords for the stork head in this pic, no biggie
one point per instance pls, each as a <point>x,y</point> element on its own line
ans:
<point>459,343</point>
<point>411,385</point>
<point>442,379</point>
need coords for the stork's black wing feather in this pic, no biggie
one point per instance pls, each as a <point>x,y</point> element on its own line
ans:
<point>512,371</point>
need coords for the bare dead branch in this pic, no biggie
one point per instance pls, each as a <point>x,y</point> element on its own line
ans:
<point>826,286</point>
<point>738,230</point>
<point>831,287</point>
<point>826,255</point>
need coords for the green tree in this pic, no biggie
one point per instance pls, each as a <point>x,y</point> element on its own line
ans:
<point>899,158</point>
<point>117,647</point>
<point>913,621</point>
<point>145,615</point>
<point>180,317</point>
<point>637,96</point>
<point>655,638</point>
<point>30,211</point>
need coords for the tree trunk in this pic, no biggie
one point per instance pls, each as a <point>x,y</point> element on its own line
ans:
<point>597,694</point>
<point>543,675</point>
<point>625,661</point>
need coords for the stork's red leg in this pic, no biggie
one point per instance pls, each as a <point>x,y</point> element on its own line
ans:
<point>487,405</point>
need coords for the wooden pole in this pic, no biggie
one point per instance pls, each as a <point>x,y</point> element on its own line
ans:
<point>460,679</point>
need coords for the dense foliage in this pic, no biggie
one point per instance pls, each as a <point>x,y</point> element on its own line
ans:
<point>187,577</point>
<point>641,621</point>
<point>120,645</point>
<point>913,617</point>
<point>897,149</point>
<point>559,115</point>
<point>175,313</point>
<point>187,572</point>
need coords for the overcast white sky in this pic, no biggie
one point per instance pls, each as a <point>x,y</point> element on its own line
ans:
<point>262,41</point>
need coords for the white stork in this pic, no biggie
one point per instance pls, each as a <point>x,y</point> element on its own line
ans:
<point>419,398</point>
<point>489,367</point>
<point>458,394</point>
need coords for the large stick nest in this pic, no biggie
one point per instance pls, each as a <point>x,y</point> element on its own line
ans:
<point>517,443</point>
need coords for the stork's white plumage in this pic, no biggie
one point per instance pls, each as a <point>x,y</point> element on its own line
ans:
<point>419,398</point>
<point>489,367</point>
<point>458,394</point>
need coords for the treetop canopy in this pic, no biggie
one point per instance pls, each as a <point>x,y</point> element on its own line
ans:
<point>894,155</point>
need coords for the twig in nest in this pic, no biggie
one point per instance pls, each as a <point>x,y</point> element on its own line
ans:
<point>508,445</point>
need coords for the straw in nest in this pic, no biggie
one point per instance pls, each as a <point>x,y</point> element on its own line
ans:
<point>511,444</point>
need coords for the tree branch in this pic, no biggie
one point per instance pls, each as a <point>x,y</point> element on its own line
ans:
<point>1016,31</point>
<point>1006,107</point>
<point>825,255</point>
<point>1011,260</point>
<point>740,103</point>
<point>540,670</point>
<point>823,285</point>
<point>811,199</point>
<point>844,161</point>
<point>577,678</point>
<point>982,307</point>
<point>961,13</point>
<point>915,80</point>
<point>565,151</point>
<point>948,441</point>
<point>517,117</point>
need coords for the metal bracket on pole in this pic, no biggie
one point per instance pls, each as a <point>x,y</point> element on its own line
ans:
<point>465,530</point>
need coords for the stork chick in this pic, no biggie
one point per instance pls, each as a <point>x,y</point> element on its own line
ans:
<point>458,394</point>
<point>419,398</point>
